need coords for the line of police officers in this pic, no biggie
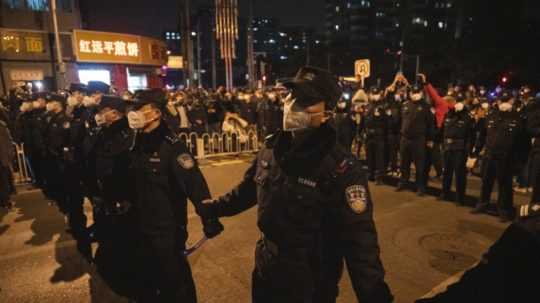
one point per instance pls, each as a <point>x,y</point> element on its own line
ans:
<point>315,210</point>
<point>400,123</point>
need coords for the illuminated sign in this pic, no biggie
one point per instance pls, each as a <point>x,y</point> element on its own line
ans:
<point>26,75</point>
<point>103,47</point>
<point>175,62</point>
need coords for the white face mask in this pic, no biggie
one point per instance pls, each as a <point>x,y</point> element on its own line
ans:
<point>397,98</point>
<point>505,107</point>
<point>375,97</point>
<point>50,107</point>
<point>100,119</point>
<point>459,106</point>
<point>294,120</point>
<point>36,104</point>
<point>136,120</point>
<point>482,92</point>
<point>485,105</point>
<point>416,97</point>
<point>89,101</point>
<point>72,101</point>
<point>126,97</point>
<point>26,107</point>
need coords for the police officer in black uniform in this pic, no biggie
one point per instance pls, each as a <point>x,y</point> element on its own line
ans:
<point>38,126</point>
<point>344,123</point>
<point>164,176</point>
<point>393,109</point>
<point>116,225</point>
<point>417,127</point>
<point>458,138</point>
<point>375,125</point>
<point>23,128</point>
<point>307,186</point>
<point>533,128</point>
<point>504,128</point>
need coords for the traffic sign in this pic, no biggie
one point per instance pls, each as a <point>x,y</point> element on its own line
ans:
<point>362,68</point>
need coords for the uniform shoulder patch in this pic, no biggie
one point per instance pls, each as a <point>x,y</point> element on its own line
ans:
<point>172,139</point>
<point>356,196</point>
<point>186,161</point>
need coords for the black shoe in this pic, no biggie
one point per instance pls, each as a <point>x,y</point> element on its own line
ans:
<point>378,182</point>
<point>480,208</point>
<point>420,193</point>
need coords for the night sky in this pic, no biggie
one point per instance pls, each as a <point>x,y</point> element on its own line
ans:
<point>152,18</point>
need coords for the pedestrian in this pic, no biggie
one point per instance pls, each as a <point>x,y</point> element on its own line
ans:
<point>504,128</point>
<point>164,175</point>
<point>6,158</point>
<point>116,222</point>
<point>458,135</point>
<point>306,185</point>
<point>416,136</point>
<point>375,125</point>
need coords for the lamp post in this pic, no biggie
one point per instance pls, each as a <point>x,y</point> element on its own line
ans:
<point>60,81</point>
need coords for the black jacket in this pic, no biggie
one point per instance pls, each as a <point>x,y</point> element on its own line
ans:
<point>417,120</point>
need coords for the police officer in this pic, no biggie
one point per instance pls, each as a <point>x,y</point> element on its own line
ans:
<point>375,125</point>
<point>38,128</point>
<point>23,129</point>
<point>164,176</point>
<point>504,128</point>
<point>393,109</point>
<point>533,129</point>
<point>116,225</point>
<point>458,134</point>
<point>417,124</point>
<point>344,124</point>
<point>306,185</point>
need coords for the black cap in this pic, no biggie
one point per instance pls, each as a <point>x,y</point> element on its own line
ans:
<point>417,88</point>
<point>98,87</point>
<point>56,98</point>
<point>113,102</point>
<point>154,96</point>
<point>505,96</point>
<point>374,90</point>
<point>40,95</point>
<point>315,85</point>
<point>78,87</point>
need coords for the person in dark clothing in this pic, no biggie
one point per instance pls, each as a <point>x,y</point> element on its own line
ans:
<point>393,109</point>
<point>417,124</point>
<point>164,175</point>
<point>215,114</point>
<point>503,274</point>
<point>307,186</point>
<point>116,223</point>
<point>198,117</point>
<point>375,125</point>
<point>6,158</point>
<point>344,124</point>
<point>504,128</point>
<point>38,153</point>
<point>457,132</point>
<point>533,129</point>
<point>23,132</point>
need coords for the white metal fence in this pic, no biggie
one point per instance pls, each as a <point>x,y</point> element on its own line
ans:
<point>202,147</point>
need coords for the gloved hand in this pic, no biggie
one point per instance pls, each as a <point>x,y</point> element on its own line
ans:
<point>206,210</point>
<point>212,228</point>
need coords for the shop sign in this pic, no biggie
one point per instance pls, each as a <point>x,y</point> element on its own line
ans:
<point>26,75</point>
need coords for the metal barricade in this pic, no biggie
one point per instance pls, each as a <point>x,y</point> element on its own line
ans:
<point>21,169</point>
<point>221,144</point>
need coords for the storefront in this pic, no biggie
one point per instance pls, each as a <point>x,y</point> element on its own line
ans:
<point>126,62</point>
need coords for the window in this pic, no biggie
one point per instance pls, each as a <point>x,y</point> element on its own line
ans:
<point>14,4</point>
<point>337,27</point>
<point>337,9</point>
<point>38,5</point>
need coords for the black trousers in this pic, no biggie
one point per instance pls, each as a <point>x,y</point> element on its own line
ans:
<point>166,275</point>
<point>375,149</point>
<point>413,150</point>
<point>455,164</point>
<point>392,151</point>
<point>6,185</point>
<point>434,158</point>
<point>500,169</point>
<point>284,278</point>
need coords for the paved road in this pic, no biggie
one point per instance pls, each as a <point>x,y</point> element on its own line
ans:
<point>424,242</point>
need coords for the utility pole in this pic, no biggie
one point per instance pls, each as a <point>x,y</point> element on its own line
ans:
<point>60,81</point>
<point>250,50</point>
<point>199,59</point>
<point>187,45</point>
<point>213,42</point>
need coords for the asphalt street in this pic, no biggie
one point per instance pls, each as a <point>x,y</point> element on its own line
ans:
<point>424,244</point>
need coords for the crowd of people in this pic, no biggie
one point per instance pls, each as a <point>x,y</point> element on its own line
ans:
<point>122,152</point>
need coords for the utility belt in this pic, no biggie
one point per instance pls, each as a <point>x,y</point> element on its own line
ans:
<point>454,143</point>
<point>111,208</point>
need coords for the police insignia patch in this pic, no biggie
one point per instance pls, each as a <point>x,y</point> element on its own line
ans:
<point>186,161</point>
<point>356,196</point>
